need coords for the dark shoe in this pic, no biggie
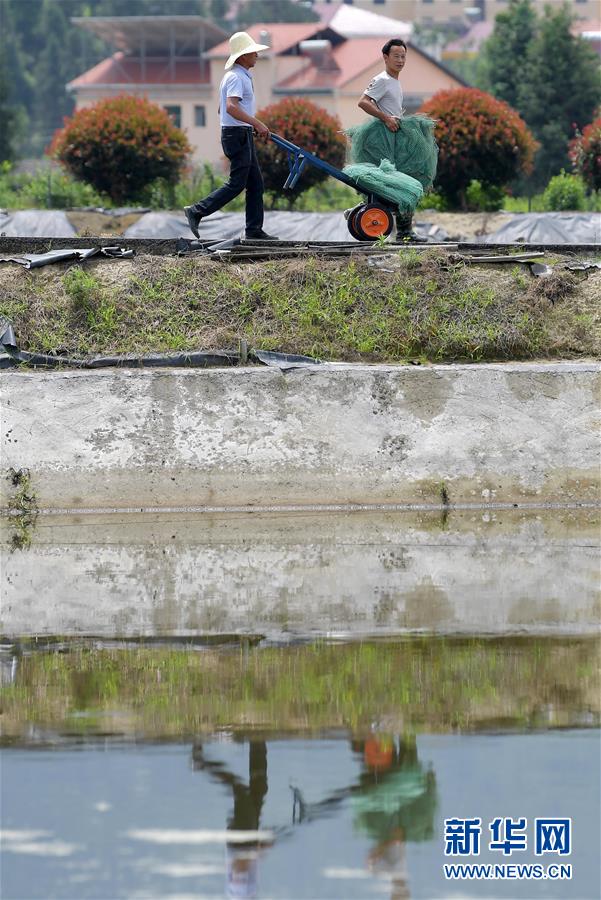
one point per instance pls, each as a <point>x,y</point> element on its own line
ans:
<point>193,220</point>
<point>259,235</point>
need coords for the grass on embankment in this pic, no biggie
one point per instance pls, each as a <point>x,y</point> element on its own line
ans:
<point>419,684</point>
<point>420,305</point>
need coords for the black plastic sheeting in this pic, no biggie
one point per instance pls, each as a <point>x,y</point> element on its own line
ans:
<point>114,212</point>
<point>36,260</point>
<point>549,228</point>
<point>37,223</point>
<point>288,226</point>
<point>204,359</point>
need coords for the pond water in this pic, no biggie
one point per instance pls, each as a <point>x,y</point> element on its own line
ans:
<point>289,706</point>
<point>246,815</point>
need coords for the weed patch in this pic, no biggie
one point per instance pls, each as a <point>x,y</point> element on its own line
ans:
<point>426,305</point>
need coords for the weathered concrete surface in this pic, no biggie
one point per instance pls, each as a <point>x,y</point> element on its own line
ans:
<point>503,572</point>
<point>339,434</point>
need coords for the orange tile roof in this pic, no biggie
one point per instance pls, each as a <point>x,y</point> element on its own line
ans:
<point>351,57</point>
<point>120,69</point>
<point>283,36</point>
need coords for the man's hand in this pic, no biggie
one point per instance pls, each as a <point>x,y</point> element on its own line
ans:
<point>262,131</point>
<point>392,123</point>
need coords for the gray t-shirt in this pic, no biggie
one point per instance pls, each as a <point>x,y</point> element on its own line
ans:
<point>387,92</point>
<point>237,83</point>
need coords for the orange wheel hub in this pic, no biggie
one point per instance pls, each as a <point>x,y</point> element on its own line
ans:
<point>373,222</point>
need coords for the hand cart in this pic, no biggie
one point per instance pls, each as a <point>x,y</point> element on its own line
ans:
<point>369,220</point>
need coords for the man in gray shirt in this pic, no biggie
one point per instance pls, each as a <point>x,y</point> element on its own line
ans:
<point>238,124</point>
<point>383,99</point>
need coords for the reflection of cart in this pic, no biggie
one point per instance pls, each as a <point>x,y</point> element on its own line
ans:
<point>369,220</point>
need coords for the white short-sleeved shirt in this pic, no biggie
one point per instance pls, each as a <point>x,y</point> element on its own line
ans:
<point>236,83</point>
<point>387,92</point>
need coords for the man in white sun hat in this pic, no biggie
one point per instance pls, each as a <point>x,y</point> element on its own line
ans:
<point>238,125</point>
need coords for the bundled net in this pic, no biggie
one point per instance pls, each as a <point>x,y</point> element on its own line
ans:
<point>384,180</point>
<point>411,153</point>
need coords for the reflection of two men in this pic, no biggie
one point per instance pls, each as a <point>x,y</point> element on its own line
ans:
<point>393,802</point>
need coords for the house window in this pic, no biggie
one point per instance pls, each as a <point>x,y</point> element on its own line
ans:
<point>175,114</point>
<point>200,116</point>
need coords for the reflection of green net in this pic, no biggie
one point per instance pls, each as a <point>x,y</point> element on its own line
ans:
<point>411,150</point>
<point>405,799</point>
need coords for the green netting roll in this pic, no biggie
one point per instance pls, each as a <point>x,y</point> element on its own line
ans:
<point>398,165</point>
<point>385,180</point>
<point>412,149</point>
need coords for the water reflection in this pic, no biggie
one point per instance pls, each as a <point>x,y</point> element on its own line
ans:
<point>393,800</point>
<point>274,816</point>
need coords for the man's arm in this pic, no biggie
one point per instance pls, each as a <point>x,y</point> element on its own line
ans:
<point>234,109</point>
<point>369,105</point>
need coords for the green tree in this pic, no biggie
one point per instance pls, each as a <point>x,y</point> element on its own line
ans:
<point>504,54</point>
<point>218,10</point>
<point>254,11</point>
<point>559,90</point>
<point>8,120</point>
<point>52,102</point>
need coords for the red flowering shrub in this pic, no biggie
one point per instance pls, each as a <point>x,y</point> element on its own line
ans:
<point>480,139</point>
<point>585,154</point>
<point>120,145</point>
<point>311,128</point>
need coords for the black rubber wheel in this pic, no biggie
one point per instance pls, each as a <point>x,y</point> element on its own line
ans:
<point>350,222</point>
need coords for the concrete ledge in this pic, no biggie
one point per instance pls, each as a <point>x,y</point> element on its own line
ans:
<point>336,434</point>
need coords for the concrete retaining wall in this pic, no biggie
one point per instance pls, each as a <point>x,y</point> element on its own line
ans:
<point>336,434</point>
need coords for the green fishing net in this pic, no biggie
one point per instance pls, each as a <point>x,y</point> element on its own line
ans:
<point>411,151</point>
<point>384,180</point>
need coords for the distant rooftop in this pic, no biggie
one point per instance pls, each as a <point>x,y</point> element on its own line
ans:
<point>351,21</point>
<point>123,71</point>
<point>154,35</point>
<point>279,36</point>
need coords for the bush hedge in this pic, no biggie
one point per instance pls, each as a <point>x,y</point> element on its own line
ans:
<point>120,145</point>
<point>311,128</point>
<point>585,154</point>
<point>480,139</point>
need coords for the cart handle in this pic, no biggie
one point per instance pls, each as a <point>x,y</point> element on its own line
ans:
<point>298,158</point>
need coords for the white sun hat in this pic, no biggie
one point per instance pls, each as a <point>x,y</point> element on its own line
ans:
<point>241,43</point>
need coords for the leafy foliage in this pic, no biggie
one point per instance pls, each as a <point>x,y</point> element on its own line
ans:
<point>45,189</point>
<point>307,125</point>
<point>484,199</point>
<point>253,11</point>
<point>560,90</point>
<point>503,55</point>
<point>548,74</point>
<point>8,120</point>
<point>120,145</point>
<point>564,192</point>
<point>480,139</point>
<point>585,154</point>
